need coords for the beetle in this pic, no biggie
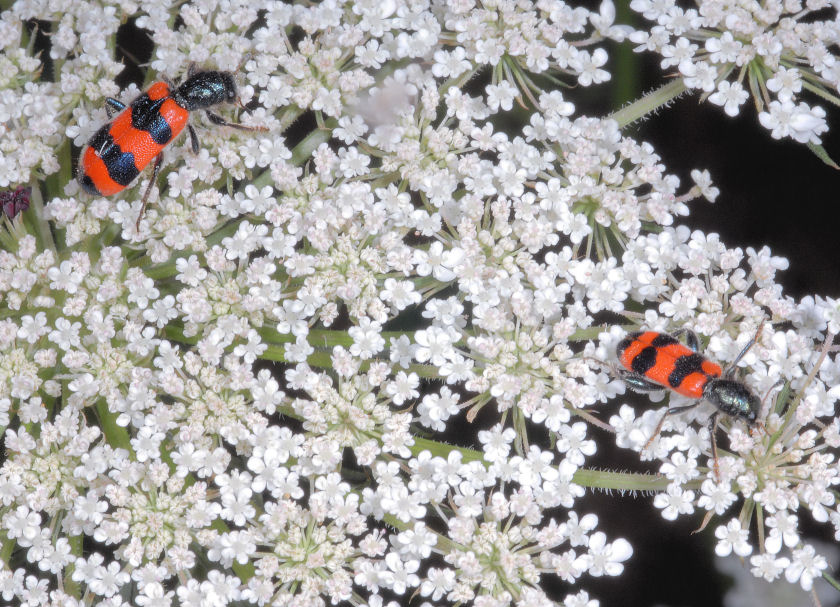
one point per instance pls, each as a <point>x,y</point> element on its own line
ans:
<point>656,361</point>
<point>122,148</point>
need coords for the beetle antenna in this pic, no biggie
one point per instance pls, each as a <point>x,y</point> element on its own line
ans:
<point>245,57</point>
<point>713,424</point>
<point>762,414</point>
<point>730,370</point>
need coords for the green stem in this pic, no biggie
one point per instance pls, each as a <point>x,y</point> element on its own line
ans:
<point>116,436</point>
<point>831,580</point>
<point>7,546</point>
<point>303,150</point>
<point>594,479</point>
<point>821,92</point>
<point>649,103</point>
<point>619,481</point>
<point>444,449</point>
<point>55,183</point>
<point>72,587</point>
<point>37,220</point>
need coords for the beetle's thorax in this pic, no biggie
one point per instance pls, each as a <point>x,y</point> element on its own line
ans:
<point>733,398</point>
<point>205,89</point>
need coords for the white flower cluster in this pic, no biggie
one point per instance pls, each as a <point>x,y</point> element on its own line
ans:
<point>775,50</point>
<point>251,399</point>
<point>787,465</point>
<point>31,114</point>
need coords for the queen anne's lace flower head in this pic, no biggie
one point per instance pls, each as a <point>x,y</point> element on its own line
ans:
<point>368,359</point>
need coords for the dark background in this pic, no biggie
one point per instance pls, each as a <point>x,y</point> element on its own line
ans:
<point>772,192</point>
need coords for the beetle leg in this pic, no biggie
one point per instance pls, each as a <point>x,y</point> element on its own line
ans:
<point>671,411</point>
<point>713,423</point>
<point>169,82</point>
<point>730,370</point>
<point>242,61</point>
<point>638,382</point>
<point>155,171</point>
<point>112,106</point>
<point>216,119</point>
<point>691,339</point>
<point>193,139</point>
<point>764,412</point>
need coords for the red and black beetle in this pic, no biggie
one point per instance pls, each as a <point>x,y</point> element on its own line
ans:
<point>119,150</point>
